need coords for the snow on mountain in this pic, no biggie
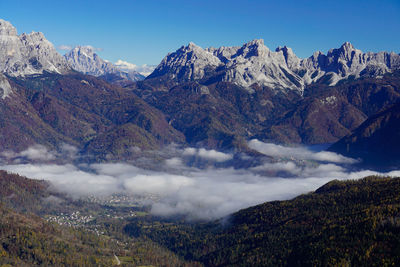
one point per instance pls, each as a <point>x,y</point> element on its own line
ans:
<point>27,54</point>
<point>85,60</point>
<point>282,69</point>
<point>144,70</point>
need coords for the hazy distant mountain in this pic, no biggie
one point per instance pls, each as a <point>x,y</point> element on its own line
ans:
<point>27,54</point>
<point>254,63</point>
<point>85,60</point>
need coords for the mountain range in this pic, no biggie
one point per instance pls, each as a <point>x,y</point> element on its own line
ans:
<point>254,63</point>
<point>29,54</point>
<point>214,97</point>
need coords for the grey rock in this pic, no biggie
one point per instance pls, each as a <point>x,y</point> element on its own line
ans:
<point>27,54</point>
<point>5,87</point>
<point>85,60</point>
<point>254,63</point>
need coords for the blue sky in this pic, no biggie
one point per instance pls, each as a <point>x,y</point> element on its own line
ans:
<point>145,31</point>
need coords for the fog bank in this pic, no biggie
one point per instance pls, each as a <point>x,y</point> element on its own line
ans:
<point>197,193</point>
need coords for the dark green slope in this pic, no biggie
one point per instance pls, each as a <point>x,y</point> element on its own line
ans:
<point>351,223</point>
<point>28,240</point>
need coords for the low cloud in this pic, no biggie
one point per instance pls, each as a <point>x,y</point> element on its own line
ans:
<point>125,65</point>
<point>174,162</point>
<point>40,153</point>
<point>289,167</point>
<point>36,152</point>
<point>200,193</point>
<point>95,49</point>
<point>144,69</point>
<point>64,47</point>
<point>300,153</point>
<point>207,154</point>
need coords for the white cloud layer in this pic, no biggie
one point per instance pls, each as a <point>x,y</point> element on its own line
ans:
<point>198,193</point>
<point>144,69</point>
<point>207,154</point>
<point>301,153</point>
<point>36,152</point>
<point>64,47</point>
<point>95,49</point>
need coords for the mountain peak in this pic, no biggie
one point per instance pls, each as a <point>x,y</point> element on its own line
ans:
<point>85,50</point>
<point>286,50</point>
<point>256,42</point>
<point>28,54</point>
<point>347,46</point>
<point>85,60</point>
<point>192,47</point>
<point>254,48</point>
<point>187,63</point>
<point>345,49</point>
<point>6,28</point>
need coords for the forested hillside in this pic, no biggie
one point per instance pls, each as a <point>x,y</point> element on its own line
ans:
<point>343,223</point>
<point>29,240</point>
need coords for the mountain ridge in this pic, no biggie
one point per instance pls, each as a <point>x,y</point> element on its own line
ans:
<point>255,63</point>
<point>214,97</point>
<point>28,54</point>
<point>32,54</point>
<point>85,60</point>
<point>375,141</point>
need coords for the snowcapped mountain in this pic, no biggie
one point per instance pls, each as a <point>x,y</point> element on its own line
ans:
<point>255,63</point>
<point>27,54</point>
<point>85,60</point>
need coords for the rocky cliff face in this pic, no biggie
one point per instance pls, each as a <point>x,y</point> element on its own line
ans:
<point>85,60</point>
<point>5,87</point>
<point>254,63</point>
<point>27,54</point>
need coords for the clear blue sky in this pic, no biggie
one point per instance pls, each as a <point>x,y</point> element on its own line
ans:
<point>145,31</point>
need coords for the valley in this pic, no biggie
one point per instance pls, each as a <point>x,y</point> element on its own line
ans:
<point>229,156</point>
